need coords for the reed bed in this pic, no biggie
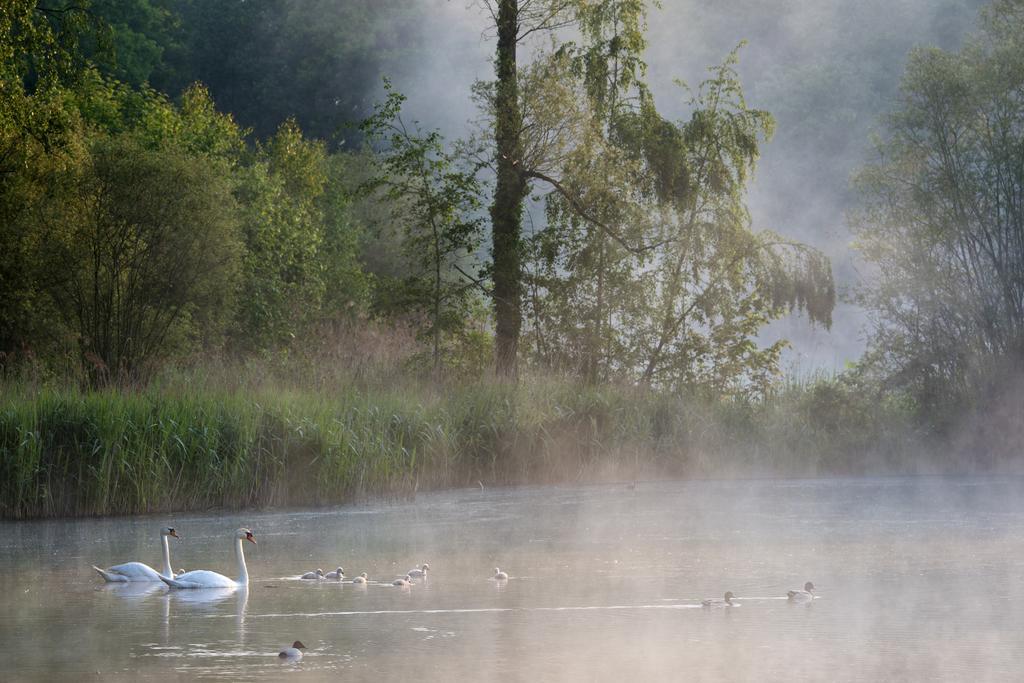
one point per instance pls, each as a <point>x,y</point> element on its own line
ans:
<point>188,443</point>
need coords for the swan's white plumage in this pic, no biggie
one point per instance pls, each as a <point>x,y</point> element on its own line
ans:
<point>138,571</point>
<point>337,574</point>
<point>204,578</point>
<point>500,575</point>
<point>360,579</point>
<point>420,572</point>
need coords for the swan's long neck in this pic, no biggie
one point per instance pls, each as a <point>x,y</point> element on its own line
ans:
<point>168,572</point>
<point>243,573</point>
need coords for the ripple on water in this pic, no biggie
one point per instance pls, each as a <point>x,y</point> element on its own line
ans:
<point>899,564</point>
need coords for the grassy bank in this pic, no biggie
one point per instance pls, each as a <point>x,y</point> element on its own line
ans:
<point>193,443</point>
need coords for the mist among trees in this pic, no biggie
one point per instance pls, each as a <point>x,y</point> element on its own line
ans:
<point>190,181</point>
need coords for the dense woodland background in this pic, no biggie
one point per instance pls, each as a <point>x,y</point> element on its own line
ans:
<point>232,259</point>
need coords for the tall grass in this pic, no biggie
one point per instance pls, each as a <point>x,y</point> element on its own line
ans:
<point>209,438</point>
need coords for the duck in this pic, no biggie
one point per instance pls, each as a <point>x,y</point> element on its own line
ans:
<point>806,595</point>
<point>203,578</point>
<point>420,572</point>
<point>360,579</point>
<point>338,574</point>
<point>318,574</point>
<point>500,575</point>
<point>137,571</point>
<point>403,582</point>
<point>726,602</point>
<point>294,652</point>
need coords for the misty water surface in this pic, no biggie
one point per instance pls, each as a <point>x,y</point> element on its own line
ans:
<point>918,579</point>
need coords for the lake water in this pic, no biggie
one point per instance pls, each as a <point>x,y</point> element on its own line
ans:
<point>918,579</point>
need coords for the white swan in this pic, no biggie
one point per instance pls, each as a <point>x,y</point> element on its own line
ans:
<point>360,579</point>
<point>203,578</point>
<point>404,582</point>
<point>806,595</point>
<point>338,574</point>
<point>727,602</point>
<point>500,575</point>
<point>293,652</point>
<point>137,571</point>
<point>318,574</point>
<point>421,572</point>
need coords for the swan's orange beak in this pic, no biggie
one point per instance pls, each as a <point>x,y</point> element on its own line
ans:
<point>249,537</point>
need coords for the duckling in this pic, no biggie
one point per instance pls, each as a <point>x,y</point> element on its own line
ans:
<point>294,652</point>
<point>338,574</point>
<point>360,579</point>
<point>500,575</point>
<point>318,574</point>
<point>711,602</point>
<point>421,572</point>
<point>403,582</point>
<point>806,595</point>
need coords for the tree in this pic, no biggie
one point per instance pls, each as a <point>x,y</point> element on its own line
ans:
<point>648,268</point>
<point>941,218</point>
<point>442,226</point>
<point>515,21</point>
<point>142,240</point>
<point>283,281</point>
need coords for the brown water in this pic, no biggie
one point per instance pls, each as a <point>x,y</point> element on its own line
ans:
<point>919,579</point>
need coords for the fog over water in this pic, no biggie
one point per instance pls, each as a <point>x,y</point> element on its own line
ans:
<point>828,70</point>
<point>917,579</point>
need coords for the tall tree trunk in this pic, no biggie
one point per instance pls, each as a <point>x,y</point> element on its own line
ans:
<point>510,191</point>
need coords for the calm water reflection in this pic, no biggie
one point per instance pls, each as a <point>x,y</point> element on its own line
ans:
<point>918,578</point>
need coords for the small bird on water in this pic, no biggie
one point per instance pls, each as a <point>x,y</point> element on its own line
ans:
<point>806,595</point>
<point>711,602</point>
<point>294,652</point>
<point>500,575</point>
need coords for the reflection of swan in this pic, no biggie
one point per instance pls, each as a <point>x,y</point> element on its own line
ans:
<point>420,573</point>
<point>242,595</point>
<point>203,597</point>
<point>137,571</point>
<point>318,574</point>
<point>338,574</point>
<point>202,578</point>
<point>404,582</point>
<point>293,652</point>
<point>500,575</point>
<point>806,595</point>
<point>360,579</point>
<point>727,602</point>
<point>131,589</point>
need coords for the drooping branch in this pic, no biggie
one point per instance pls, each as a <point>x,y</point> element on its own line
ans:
<point>586,215</point>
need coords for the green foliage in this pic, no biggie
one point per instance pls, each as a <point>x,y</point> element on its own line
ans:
<point>195,440</point>
<point>648,268</point>
<point>139,34</point>
<point>283,228</point>
<point>441,222</point>
<point>128,271</point>
<point>943,225</point>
